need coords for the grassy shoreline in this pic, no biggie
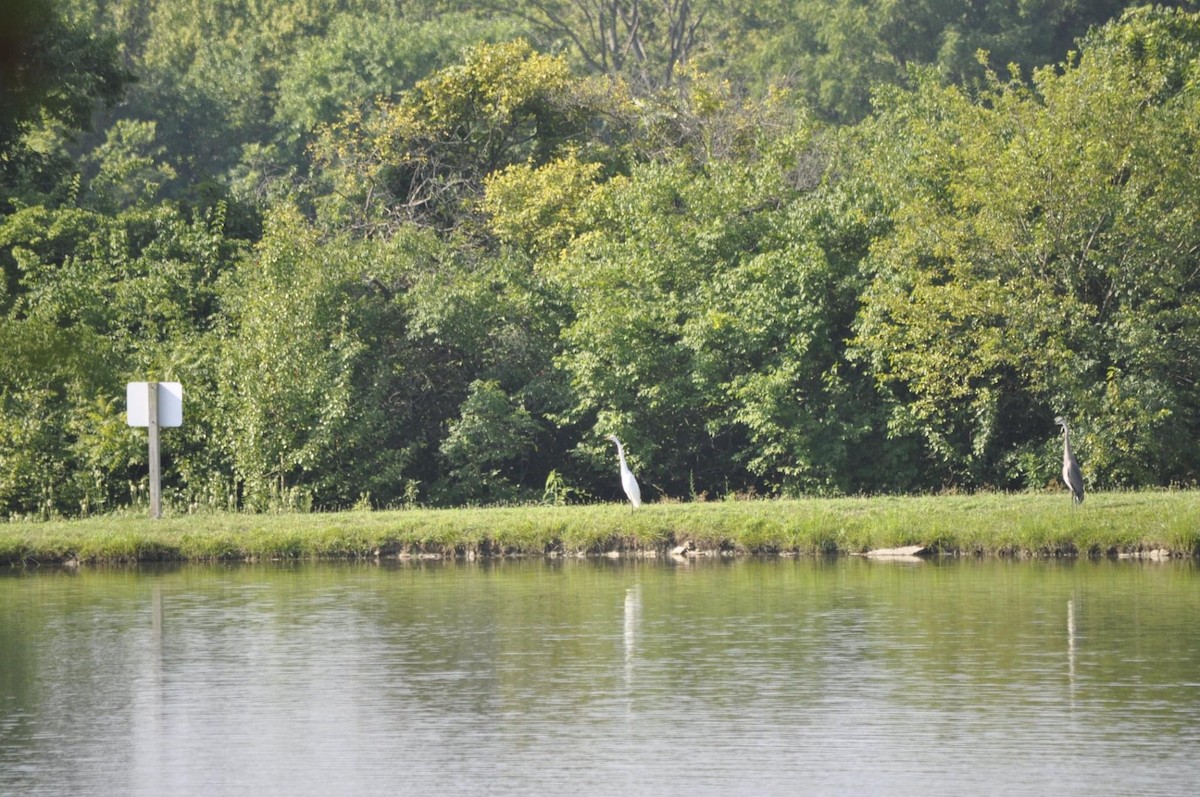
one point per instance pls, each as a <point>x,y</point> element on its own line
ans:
<point>1107,524</point>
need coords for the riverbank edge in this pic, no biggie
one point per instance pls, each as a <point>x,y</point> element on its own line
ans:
<point>1150,524</point>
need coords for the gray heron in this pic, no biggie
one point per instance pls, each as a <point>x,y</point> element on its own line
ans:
<point>1072,475</point>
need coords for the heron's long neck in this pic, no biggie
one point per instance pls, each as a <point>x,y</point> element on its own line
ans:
<point>621,455</point>
<point>1066,443</point>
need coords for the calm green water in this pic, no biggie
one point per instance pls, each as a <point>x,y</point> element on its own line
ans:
<point>602,678</point>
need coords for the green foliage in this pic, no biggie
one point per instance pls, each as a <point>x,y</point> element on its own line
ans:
<point>98,301</point>
<point>490,240</point>
<point>492,435</point>
<point>143,276</point>
<point>425,157</point>
<point>60,451</point>
<point>840,51</point>
<point>1043,261</point>
<point>492,328</point>
<point>557,492</point>
<point>362,56</point>
<point>129,170</point>
<point>707,323</point>
<point>298,387</point>
<point>51,69</point>
<point>210,71</point>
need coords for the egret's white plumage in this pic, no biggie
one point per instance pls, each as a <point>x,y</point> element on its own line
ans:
<point>1072,475</point>
<point>628,482</point>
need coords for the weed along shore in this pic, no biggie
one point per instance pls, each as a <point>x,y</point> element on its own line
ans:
<point>1148,524</point>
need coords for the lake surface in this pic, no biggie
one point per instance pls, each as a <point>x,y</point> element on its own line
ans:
<point>746,676</point>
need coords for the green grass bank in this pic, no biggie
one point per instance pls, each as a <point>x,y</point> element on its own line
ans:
<point>1107,524</point>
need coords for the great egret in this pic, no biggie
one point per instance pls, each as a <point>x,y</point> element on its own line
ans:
<point>1072,475</point>
<point>628,482</point>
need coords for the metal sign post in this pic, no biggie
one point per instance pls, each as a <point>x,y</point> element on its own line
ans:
<point>154,405</point>
<point>155,470</point>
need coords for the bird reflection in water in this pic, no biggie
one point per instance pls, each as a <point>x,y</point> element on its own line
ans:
<point>633,621</point>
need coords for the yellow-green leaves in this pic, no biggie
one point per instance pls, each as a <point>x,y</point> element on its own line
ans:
<point>538,209</point>
<point>426,155</point>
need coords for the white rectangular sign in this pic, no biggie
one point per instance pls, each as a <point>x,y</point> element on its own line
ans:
<point>170,404</point>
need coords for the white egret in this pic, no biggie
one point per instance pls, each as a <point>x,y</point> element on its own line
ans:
<point>628,482</point>
<point>1072,475</point>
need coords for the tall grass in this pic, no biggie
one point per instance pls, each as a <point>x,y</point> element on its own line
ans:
<point>986,524</point>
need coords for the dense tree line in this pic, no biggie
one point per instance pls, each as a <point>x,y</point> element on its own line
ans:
<point>431,252</point>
